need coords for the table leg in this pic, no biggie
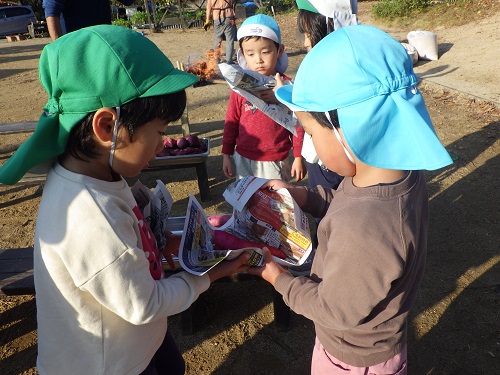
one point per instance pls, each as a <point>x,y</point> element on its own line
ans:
<point>187,324</point>
<point>281,312</point>
<point>201,172</point>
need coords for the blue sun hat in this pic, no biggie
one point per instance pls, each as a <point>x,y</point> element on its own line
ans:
<point>368,77</point>
<point>91,68</point>
<point>266,27</point>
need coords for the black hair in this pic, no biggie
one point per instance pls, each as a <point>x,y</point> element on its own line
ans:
<point>321,118</point>
<point>247,38</point>
<point>314,25</point>
<point>133,115</point>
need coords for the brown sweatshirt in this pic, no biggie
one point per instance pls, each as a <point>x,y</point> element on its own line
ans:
<point>367,269</point>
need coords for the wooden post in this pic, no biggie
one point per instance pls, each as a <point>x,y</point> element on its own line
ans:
<point>185,123</point>
<point>151,28</point>
<point>181,11</point>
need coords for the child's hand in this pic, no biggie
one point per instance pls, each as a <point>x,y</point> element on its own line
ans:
<point>268,96</point>
<point>270,271</point>
<point>229,267</point>
<point>298,193</point>
<point>279,82</point>
<point>171,248</point>
<point>299,170</point>
<point>275,185</point>
<point>227,166</point>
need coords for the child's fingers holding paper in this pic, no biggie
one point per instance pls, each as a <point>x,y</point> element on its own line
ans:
<point>270,271</point>
<point>229,267</point>
<point>279,82</point>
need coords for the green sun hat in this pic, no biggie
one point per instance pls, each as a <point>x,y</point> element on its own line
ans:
<point>306,5</point>
<point>83,71</point>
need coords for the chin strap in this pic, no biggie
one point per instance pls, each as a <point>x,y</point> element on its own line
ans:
<point>113,139</point>
<point>337,134</point>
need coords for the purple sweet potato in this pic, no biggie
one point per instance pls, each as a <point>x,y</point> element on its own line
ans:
<point>219,220</point>
<point>182,143</point>
<point>193,150</point>
<point>193,141</point>
<point>169,143</point>
<point>165,152</point>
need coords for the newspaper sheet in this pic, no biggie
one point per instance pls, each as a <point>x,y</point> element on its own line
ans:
<point>267,218</point>
<point>248,83</point>
<point>197,252</point>
<point>155,206</point>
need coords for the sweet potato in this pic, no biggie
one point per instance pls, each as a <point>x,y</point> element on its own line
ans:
<point>182,143</point>
<point>193,141</point>
<point>227,241</point>
<point>169,143</point>
<point>219,220</point>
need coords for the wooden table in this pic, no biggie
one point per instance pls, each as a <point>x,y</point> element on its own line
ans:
<point>199,162</point>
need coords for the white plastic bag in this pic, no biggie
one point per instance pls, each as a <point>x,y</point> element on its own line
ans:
<point>425,42</point>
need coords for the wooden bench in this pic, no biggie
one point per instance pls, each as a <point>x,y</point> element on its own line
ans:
<point>196,161</point>
<point>16,278</point>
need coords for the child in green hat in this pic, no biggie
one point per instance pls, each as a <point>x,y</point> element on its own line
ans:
<point>355,93</point>
<point>102,300</point>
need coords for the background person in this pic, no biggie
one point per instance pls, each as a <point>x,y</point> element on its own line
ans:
<point>65,16</point>
<point>224,21</point>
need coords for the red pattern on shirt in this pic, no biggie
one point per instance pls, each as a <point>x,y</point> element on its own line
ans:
<point>149,246</point>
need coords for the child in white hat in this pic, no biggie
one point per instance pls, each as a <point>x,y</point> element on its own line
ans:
<point>355,94</point>
<point>256,144</point>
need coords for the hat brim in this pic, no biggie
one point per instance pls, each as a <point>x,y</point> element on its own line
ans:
<point>284,96</point>
<point>175,81</point>
<point>406,142</point>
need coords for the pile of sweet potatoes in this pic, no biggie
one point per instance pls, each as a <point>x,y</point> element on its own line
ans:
<point>189,145</point>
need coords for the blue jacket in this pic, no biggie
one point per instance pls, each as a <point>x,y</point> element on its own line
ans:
<point>76,14</point>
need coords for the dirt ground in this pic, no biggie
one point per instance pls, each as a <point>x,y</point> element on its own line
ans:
<point>454,326</point>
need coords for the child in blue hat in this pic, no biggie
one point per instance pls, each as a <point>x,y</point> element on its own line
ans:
<point>102,300</point>
<point>258,145</point>
<point>368,122</point>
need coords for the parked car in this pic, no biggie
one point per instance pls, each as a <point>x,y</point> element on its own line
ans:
<point>15,19</point>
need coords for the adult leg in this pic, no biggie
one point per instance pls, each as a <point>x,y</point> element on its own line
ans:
<point>218,32</point>
<point>230,33</point>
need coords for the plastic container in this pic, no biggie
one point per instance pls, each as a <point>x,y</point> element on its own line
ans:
<point>412,51</point>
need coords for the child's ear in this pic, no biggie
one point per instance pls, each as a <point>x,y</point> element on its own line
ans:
<point>281,50</point>
<point>103,124</point>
